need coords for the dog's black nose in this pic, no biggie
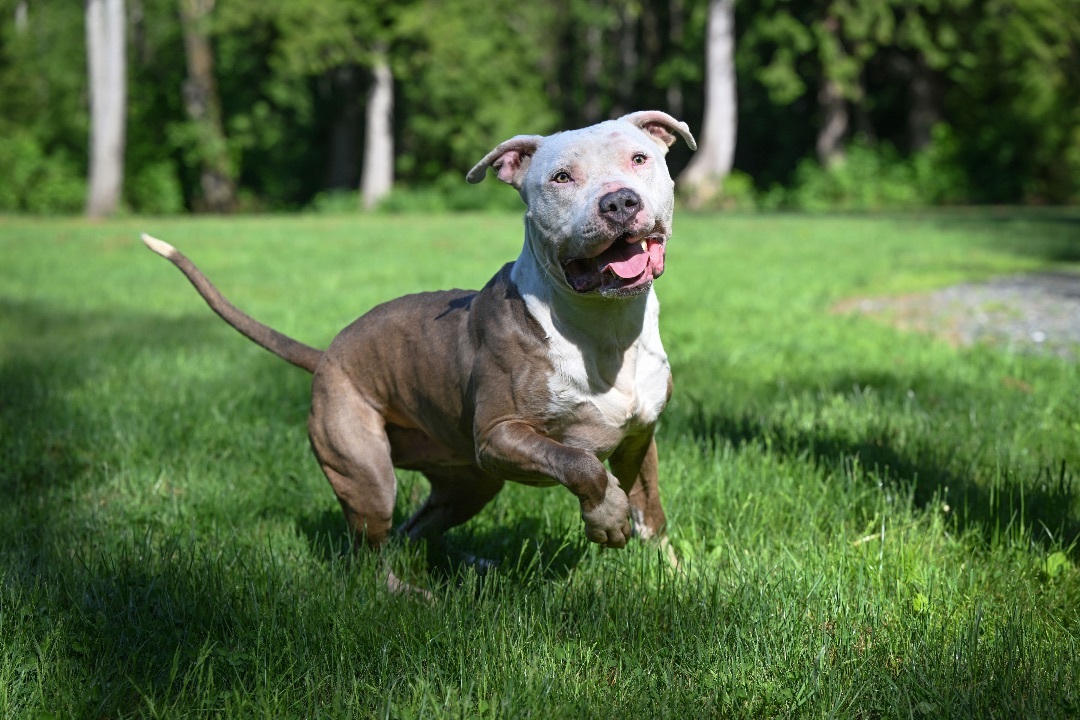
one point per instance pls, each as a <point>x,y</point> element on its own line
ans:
<point>620,206</point>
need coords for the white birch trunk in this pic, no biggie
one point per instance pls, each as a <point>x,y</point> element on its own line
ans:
<point>715,155</point>
<point>107,68</point>
<point>22,15</point>
<point>377,173</point>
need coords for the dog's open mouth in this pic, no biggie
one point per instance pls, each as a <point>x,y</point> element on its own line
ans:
<point>626,267</point>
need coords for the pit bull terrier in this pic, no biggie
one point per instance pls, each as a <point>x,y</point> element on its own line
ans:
<point>552,369</point>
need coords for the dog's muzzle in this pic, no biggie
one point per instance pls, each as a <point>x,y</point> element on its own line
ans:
<point>627,266</point>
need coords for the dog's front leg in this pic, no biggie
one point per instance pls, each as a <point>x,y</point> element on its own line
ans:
<point>635,464</point>
<point>513,450</point>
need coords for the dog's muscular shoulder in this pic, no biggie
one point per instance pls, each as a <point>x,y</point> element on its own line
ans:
<point>455,353</point>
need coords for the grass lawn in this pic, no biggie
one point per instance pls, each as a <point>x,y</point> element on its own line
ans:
<point>872,523</point>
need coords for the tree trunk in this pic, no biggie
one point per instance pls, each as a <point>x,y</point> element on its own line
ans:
<point>834,123</point>
<point>216,176</point>
<point>832,105</point>
<point>22,15</point>
<point>377,174</point>
<point>106,62</point>
<point>924,111</point>
<point>715,155</point>
<point>343,162</point>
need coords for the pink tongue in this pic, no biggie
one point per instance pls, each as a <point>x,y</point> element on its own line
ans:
<point>627,260</point>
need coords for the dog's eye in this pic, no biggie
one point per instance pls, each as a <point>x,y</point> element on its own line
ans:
<point>640,158</point>
<point>562,177</point>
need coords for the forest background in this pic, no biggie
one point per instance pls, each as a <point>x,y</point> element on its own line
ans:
<point>268,105</point>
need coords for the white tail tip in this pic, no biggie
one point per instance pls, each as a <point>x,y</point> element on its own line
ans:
<point>161,247</point>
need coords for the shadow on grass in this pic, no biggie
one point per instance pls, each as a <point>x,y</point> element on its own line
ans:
<point>524,552</point>
<point>1042,501</point>
<point>87,395</point>
<point>58,440</point>
<point>1051,234</point>
<point>52,444</point>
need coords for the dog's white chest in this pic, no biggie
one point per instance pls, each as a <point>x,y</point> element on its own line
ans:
<point>620,390</point>
<point>602,387</point>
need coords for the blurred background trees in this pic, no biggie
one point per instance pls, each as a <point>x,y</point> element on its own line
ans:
<point>282,104</point>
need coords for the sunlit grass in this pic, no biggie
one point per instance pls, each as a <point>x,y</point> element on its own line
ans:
<point>872,523</point>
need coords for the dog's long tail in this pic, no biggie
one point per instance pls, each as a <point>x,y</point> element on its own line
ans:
<point>293,351</point>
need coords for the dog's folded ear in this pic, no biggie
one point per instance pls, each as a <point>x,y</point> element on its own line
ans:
<point>510,160</point>
<point>662,127</point>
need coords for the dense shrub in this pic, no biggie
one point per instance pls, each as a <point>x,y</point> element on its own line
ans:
<point>451,192</point>
<point>736,192</point>
<point>864,179</point>
<point>38,181</point>
<point>876,177</point>
<point>338,201</point>
<point>155,190</point>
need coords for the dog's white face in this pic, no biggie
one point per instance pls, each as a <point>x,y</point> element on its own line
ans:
<point>600,203</point>
<point>599,199</point>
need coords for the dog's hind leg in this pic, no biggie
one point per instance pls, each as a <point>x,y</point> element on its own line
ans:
<point>457,494</point>
<point>348,438</point>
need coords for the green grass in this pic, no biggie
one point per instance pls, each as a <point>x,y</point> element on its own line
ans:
<point>872,524</point>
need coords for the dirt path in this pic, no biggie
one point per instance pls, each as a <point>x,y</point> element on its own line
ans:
<point>1037,312</point>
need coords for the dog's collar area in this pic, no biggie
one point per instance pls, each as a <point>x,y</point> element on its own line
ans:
<point>627,266</point>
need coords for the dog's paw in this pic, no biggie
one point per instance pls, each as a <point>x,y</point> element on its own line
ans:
<point>608,523</point>
<point>653,539</point>
<point>397,586</point>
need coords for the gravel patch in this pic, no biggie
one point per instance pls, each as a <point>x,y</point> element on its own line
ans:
<point>1032,313</point>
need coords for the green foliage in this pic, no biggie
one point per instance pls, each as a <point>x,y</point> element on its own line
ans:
<point>155,190</point>
<point>43,75</point>
<point>35,181</point>
<point>293,77</point>
<point>314,36</point>
<point>43,118</point>
<point>834,41</point>
<point>1017,100</point>
<point>469,80</point>
<point>865,179</point>
<point>939,174</point>
<point>1057,564</point>
<point>335,202</point>
<point>877,178</point>
<point>735,192</point>
<point>1002,74</point>
<point>449,193</point>
<point>453,193</point>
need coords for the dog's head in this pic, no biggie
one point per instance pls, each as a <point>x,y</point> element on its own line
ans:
<point>599,199</point>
